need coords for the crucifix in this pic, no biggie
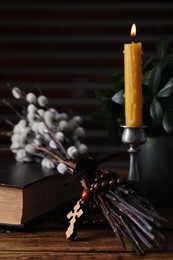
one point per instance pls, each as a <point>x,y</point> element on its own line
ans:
<point>73,216</point>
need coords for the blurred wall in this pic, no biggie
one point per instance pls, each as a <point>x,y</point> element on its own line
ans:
<point>70,48</point>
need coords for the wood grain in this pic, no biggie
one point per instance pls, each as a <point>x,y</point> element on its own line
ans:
<point>89,244</point>
<point>45,240</point>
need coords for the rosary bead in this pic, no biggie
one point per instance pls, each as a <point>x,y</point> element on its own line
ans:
<point>86,195</point>
<point>120,181</point>
<point>97,179</point>
<point>112,183</point>
<point>97,186</point>
<point>105,184</point>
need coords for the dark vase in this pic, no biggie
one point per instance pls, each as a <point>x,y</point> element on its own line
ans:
<point>156,170</point>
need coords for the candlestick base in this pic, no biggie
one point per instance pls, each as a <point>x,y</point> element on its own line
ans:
<point>133,136</point>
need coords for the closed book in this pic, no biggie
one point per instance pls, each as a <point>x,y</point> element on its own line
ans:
<point>27,191</point>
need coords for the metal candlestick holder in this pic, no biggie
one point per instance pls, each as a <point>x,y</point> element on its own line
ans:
<point>133,136</point>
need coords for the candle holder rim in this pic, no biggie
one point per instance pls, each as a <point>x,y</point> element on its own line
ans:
<point>135,127</point>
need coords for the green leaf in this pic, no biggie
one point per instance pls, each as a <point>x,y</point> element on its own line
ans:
<point>156,111</point>
<point>162,46</point>
<point>154,77</point>
<point>118,98</point>
<point>168,121</point>
<point>167,90</point>
<point>147,62</point>
<point>169,57</point>
<point>146,77</point>
<point>167,61</point>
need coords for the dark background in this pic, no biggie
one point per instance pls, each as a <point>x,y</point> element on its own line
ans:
<point>70,48</point>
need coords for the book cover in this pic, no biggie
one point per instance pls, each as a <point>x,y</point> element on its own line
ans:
<point>27,191</point>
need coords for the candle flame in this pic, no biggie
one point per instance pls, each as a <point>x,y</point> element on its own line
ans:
<point>133,31</point>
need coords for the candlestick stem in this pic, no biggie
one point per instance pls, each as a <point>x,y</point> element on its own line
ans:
<point>133,174</point>
<point>133,136</point>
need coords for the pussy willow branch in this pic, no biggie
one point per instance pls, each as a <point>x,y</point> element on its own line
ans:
<point>63,150</point>
<point>69,163</point>
<point>11,107</point>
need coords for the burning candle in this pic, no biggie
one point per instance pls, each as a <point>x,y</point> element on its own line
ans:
<point>133,81</point>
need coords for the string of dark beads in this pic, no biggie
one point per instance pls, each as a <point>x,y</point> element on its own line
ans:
<point>103,181</point>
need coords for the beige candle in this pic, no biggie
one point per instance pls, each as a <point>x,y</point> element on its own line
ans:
<point>133,81</point>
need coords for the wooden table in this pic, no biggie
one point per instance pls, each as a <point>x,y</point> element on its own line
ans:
<point>46,240</point>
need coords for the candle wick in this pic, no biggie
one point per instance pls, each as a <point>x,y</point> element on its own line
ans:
<point>133,38</point>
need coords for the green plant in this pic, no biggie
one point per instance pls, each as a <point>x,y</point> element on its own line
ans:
<point>157,88</point>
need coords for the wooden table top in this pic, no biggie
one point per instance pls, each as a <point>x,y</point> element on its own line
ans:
<point>46,240</point>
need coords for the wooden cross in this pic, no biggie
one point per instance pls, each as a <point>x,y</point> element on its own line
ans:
<point>72,216</point>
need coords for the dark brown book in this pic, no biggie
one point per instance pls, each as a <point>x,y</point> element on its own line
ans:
<point>27,191</point>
